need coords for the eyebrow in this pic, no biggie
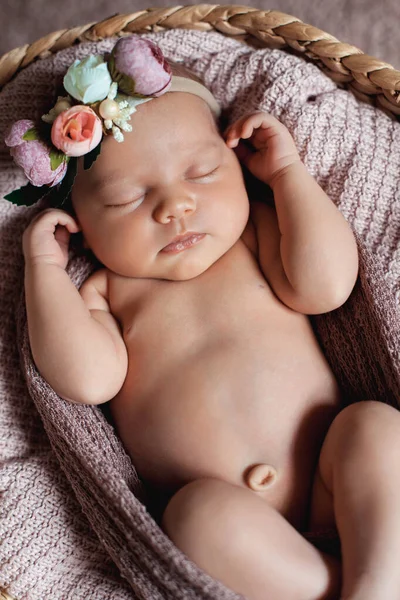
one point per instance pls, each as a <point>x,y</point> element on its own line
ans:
<point>202,146</point>
<point>109,180</point>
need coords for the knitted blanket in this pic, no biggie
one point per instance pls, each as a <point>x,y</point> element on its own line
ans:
<point>75,521</point>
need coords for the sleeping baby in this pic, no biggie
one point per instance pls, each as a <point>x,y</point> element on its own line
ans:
<point>196,330</point>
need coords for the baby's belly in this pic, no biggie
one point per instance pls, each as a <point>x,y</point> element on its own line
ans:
<point>233,403</point>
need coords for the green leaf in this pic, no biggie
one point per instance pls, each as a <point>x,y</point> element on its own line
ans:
<point>91,156</point>
<point>27,195</point>
<point>60,193</point>
<point>56,158</point>
<point>31,134</point>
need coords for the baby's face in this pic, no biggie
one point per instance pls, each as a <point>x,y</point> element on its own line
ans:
<point>173,175</point>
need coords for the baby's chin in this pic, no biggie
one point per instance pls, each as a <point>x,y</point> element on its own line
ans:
<point>184,272</point>
<point>189,264</point>
<point>179,270</point>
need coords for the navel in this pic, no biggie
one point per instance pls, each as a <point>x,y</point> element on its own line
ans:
<point>260,477</point>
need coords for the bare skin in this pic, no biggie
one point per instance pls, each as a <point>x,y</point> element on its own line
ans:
<point>217,384</point>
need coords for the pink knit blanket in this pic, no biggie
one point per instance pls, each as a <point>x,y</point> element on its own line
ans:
<point>75,521</point>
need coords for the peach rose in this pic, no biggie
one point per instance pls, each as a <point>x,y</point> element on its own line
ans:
<point>76,131</point>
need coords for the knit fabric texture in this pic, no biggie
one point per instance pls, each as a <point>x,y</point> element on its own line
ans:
<point>74,518</point>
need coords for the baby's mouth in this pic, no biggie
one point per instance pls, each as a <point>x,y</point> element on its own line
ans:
<point>183,242</point>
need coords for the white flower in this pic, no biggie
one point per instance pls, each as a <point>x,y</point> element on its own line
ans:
<point>88,80</point>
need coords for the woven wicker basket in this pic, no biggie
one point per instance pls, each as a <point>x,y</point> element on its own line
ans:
<point>369,78</point>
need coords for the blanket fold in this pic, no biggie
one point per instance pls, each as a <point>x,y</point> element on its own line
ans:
<point>84,528</point>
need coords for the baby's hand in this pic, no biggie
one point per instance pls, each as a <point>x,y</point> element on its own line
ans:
<point>271,148</point>
<point>46,239</point>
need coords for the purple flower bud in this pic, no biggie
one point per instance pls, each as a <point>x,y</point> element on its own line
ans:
<point>33,156</point>
<point>139,67</point>
<point>16,131</point>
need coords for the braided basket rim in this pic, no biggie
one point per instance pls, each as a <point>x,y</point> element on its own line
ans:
<point>370,79</point>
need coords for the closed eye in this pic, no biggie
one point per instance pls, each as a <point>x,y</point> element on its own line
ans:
<point>205,175</point>
<point>134,203</point>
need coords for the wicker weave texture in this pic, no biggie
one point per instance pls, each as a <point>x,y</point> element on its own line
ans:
<point>370,79</point>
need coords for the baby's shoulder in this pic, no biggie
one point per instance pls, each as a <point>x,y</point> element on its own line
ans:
<point>95,286</point>
<point>260,215</point>
<point>98,279</point>
<point>249,236</point>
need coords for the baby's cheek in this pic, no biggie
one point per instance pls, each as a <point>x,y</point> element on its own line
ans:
<point>231,214</point>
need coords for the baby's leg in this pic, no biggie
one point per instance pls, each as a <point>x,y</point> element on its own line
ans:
<point>360,466</point>
<point>237,538</point>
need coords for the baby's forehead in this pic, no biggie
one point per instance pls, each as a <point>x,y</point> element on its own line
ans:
<point>166,130</point>
<point>114,164</point>
<point>176,110</point>
<point>170,131</point>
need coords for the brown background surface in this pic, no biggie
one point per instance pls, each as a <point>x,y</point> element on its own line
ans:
<point>372,25</point>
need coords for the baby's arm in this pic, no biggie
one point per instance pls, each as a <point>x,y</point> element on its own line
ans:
<point>306,249</point>
<point>75,341</point>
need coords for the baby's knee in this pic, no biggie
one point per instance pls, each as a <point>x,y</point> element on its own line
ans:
<point>363,422</point>
<point>361,429</point>
<point>207,512</point>
<point>198,510</point>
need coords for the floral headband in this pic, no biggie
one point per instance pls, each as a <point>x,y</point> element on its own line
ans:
<point>103,92</point>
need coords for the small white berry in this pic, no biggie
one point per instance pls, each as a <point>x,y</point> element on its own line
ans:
<point>109,109</point>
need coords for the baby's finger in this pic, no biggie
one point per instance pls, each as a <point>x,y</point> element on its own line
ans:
<point>260,120</point>
<point>72,226</point>
<point>232,142</point>
<point>235,135</point>
<point>234,126</point>
<point>62,236</point>
<point>49,219</point>
<point>66,220</point>
<point>244,128</point>
<point>231,136</point>
<point>248,128</point>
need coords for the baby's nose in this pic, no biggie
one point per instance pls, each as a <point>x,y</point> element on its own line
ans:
<point>174,207</point>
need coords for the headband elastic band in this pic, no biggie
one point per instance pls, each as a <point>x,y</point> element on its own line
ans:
<point>183,84</point>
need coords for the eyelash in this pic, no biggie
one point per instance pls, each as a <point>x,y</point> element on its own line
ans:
<point>206,174</point>
<point>125,203</point>
<point>137,199</point>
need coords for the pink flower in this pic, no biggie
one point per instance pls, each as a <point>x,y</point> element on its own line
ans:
<point>139,67</point>
<point>33,156</point>
<point>76,131</point>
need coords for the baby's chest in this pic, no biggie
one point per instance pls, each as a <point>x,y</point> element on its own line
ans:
<point>227,301</point>
<point>226,325</point>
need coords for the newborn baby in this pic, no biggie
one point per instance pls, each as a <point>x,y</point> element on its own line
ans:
<point>196,331</point>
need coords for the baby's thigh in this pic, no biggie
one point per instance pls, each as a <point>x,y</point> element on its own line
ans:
<point>362,433</point>
<point>322,514</point>
<point>239,539</point>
